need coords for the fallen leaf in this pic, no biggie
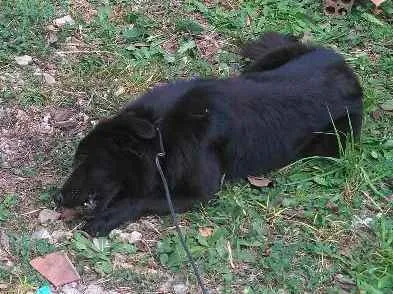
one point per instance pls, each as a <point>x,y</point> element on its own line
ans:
<point>205,231</point>
<point>332,206</point>
<point>377,2</point>
<point>376,115</point>
<point>267,251</point>
<point>56,268</point>
<point>259,182</point>
<point>387,106</point>
<point>346,283</point>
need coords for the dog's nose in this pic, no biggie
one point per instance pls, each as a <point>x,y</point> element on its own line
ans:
<point>58,199</point>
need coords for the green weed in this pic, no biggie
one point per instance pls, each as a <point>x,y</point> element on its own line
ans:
<point>98,252</point>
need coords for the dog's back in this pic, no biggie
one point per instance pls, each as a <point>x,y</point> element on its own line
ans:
<point>266,117</point>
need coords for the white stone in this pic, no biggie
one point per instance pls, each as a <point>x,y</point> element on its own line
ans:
<point>60,235</point>
<point>94,289</point>
<point>41,234</point>
<point>135,236</point>
<point>50,80</point>
<point>61,21</point>
<point>23,60</point>
<point>131,238</point>
<point>69,289</point>
<point>120,91</point>
<point>180,288</point>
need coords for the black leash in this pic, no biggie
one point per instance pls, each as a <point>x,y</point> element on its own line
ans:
<point>170,204</point>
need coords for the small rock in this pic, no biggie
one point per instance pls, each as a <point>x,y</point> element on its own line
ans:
<point>51,27</point>
<point>361,222</point>
<point>180,289</point>
<point>48,79</point>
<point>62,114</point>
<point>23,60</point>
<point>135,236</point>
<point>45,127</point>
<point>259,182</point>
<point>94,289</point>
<point>387,105</point>
<point>61,21</point>
<point>37,71</point>
<point>70,289</point>
<point>114,233</point>
<point>120,91</point>
<point>41,234</point>
<point>52,37</point>
<point>126,237</point>
<point>47,215</point>
<point>4,242</point>
<point>166,287</point>
<point>60,236</point>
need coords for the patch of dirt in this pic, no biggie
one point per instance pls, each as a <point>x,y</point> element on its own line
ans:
<point>84,9</point>
<point>11,80</point>
<point>24,134</point>
<point>228,4</point>
<point>171,45</point>
<point>209,45</point>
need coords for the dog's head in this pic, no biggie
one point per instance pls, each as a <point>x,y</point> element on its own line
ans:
<point>115,157</point>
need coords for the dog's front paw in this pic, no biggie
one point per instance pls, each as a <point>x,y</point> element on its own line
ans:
<point>97,227</point>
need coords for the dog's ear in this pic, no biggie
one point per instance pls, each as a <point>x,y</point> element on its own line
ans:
<point>141,127</point>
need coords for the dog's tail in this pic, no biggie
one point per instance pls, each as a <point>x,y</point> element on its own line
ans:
<point>272,50</point>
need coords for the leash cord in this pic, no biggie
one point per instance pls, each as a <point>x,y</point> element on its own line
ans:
<point>170,204</point>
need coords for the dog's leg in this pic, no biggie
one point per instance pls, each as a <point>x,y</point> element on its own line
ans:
<point>326,143</point>
<point>103,221</point>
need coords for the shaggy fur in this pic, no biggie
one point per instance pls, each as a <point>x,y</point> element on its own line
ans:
<point>277,111</point>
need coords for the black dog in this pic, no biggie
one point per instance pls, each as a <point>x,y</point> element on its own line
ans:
<point>277,111</point>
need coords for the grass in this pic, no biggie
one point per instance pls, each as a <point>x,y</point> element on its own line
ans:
<point>326,224</point>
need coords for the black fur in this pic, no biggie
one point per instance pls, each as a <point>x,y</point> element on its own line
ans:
<point>274,113</point>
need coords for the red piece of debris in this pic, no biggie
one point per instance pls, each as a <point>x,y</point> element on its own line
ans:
<point>56,268</point>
